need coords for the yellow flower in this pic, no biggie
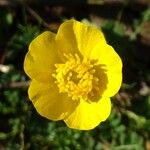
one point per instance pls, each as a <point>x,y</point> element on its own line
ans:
<point>74,73</point>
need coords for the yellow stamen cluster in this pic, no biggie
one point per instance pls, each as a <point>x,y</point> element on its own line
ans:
<point>76,77</point>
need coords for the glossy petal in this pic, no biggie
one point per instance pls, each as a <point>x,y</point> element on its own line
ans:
<point>48,102</point>
<point>66,39</point>
<point>39,61</point>
<point>89,115</point>
<point>87,37</point>
<point>111,66</point>
<point>74,37</point>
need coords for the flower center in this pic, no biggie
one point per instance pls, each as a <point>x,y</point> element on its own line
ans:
<point>76,78</point>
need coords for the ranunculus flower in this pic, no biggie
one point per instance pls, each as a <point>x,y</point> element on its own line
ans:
<point>74,73</point>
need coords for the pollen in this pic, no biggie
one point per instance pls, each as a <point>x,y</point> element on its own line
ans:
<point>77,78</point>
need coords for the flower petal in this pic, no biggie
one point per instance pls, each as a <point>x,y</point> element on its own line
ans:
<point>39,61</point>
<point>111,65</point>
<point>89,115</point>
<point>87,37</point>
<point>48,102</point>
<point>75,37</point>
<point>66,39</point>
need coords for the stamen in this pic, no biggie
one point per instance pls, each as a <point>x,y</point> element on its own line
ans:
<point>76,78</point>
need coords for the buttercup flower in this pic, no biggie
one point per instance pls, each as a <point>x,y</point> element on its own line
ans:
<point>74,73</point>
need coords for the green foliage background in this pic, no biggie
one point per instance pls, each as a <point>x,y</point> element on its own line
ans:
<point>127,128</point>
